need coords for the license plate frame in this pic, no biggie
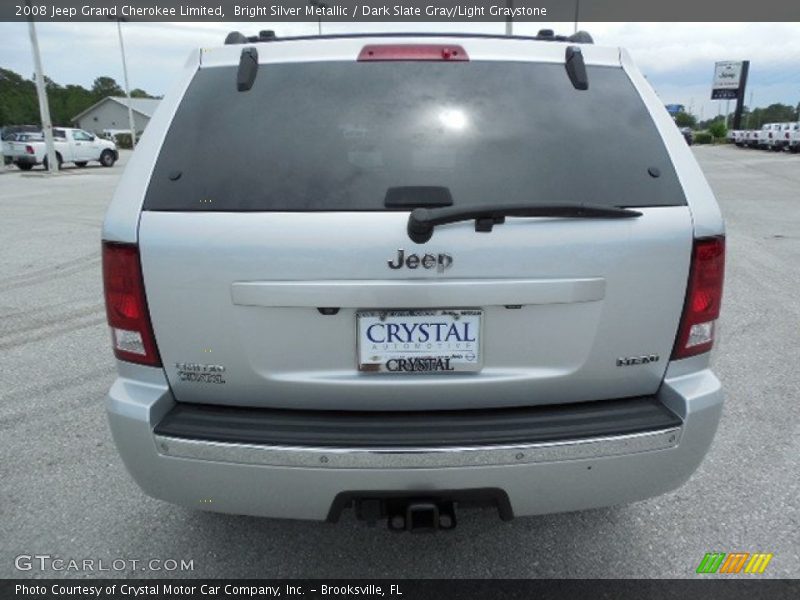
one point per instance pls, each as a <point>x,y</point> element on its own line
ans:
<point>462,345</point>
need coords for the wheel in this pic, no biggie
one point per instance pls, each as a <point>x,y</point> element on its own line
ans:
<point>59,160</point>
<point>24,166</point>
<point>107,158</point>
<point>80,163</point>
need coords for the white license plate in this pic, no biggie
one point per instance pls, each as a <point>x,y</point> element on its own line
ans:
<point>419,341</point>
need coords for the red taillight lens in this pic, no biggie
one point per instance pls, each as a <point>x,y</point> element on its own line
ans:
<point>28,149</point>
<point>412,52</point>
<point>126,305</point>
<point>703,298</point>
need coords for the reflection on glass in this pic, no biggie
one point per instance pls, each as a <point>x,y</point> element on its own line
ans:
<point>453,118</point>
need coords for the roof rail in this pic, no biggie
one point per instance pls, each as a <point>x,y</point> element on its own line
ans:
<point>579,37</point>
<point>236,37</point>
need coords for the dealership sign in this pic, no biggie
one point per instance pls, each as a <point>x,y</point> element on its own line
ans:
<point>727,80</point>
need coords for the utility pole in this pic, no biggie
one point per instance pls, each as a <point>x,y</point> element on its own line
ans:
<point>41,92</point>
<point>509,18</point>
<point>737,115</point>
<point>131,122</point>
<point>577,11</point>
<point>320,6</point>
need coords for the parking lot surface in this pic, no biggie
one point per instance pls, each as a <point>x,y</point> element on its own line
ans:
<point>65,493</point>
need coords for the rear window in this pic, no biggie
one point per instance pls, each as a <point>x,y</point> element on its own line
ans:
<point>335,136</point>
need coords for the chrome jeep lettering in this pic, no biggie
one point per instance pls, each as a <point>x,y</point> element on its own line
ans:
<point>440,262</point>
<point>637,360</point>
<point>200,373</point>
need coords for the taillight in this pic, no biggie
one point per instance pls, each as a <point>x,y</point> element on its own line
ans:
<point>126,305</point>
<point>703,298</point>
<point>29,150</point>
<point>448,52</point>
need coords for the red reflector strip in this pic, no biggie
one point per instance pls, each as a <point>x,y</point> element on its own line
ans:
<point>448,52</point>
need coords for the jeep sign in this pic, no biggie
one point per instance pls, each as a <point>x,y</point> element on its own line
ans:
<point>727,78</point>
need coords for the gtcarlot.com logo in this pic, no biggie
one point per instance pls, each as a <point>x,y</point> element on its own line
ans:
<point>48,562</point>
<point>733,563</point>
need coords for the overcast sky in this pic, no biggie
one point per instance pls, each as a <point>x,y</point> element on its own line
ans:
<point>677,58</point>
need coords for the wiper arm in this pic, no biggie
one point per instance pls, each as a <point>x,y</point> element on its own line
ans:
<point>421,221</point>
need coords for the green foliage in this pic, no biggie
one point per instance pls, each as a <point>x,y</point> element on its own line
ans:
<point>105,86</point>
<point>19,104</point>
<point>774,113</point>
<point>123,140</point>
<point>684,119</point>
<point>718,129</point>
<point>140,93</point>
<point>703,137</point>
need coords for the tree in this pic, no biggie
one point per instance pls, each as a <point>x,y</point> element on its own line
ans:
<point>718,129</point>
<point>139,93</point>
<point>684,119</point>
<point>19,104</point>
<point>105,86</point>
<point>774,113</point>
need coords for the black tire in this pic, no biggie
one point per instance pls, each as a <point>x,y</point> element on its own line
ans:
<point>81,163</point>
<point>24,166</point>
<point>107,158</point>
<point>59,160</point>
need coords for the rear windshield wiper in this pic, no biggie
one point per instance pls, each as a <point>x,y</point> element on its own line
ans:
<point>421,221</point>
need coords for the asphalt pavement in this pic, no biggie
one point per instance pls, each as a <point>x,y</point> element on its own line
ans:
<point>64,492</point>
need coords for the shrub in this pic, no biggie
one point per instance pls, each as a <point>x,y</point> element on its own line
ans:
<point>703,137</point>
<point>718,130</point>
<point>123,140</point>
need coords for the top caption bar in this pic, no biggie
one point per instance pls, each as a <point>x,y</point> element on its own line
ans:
<point>403,10</point>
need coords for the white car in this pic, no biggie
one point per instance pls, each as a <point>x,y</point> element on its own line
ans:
<point>408,289</point>
<point>768,136</point>
<point>71,146</point>
<point>794,137</point>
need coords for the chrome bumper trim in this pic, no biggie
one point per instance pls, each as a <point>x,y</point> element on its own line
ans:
<point>421,458</point>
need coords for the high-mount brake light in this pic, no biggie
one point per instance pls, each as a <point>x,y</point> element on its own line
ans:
<point>444,52</point>
<point>126,305</point>
<point>703,298</point>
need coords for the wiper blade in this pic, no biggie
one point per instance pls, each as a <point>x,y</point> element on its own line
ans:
<point>421,221</point>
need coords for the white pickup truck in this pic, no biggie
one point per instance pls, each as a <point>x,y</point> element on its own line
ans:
<point>768,136</point>
<point>71,145</point>
<point>794,137</point>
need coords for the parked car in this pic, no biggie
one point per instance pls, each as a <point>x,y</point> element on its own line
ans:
<point>768,136</point>
<point>688,135</point>
<point>784,136</point>
<point>415,294</point>
<point>71,145</point>
<point>794,137</point>
<point>8,131</point>
<point>8,148</point>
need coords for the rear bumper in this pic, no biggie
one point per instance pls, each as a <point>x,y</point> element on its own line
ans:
<point>25,159</point>
<point>302,482</point>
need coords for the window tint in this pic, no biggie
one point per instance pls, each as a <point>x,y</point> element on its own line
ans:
<point>337,135</point>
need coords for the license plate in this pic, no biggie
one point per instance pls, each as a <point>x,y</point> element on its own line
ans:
<point>419,341</point>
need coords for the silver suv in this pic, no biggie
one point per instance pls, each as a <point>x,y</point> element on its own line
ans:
<point>405,274</point>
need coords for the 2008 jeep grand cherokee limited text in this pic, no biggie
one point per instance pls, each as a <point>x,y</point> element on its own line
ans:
<point>404,274</point>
